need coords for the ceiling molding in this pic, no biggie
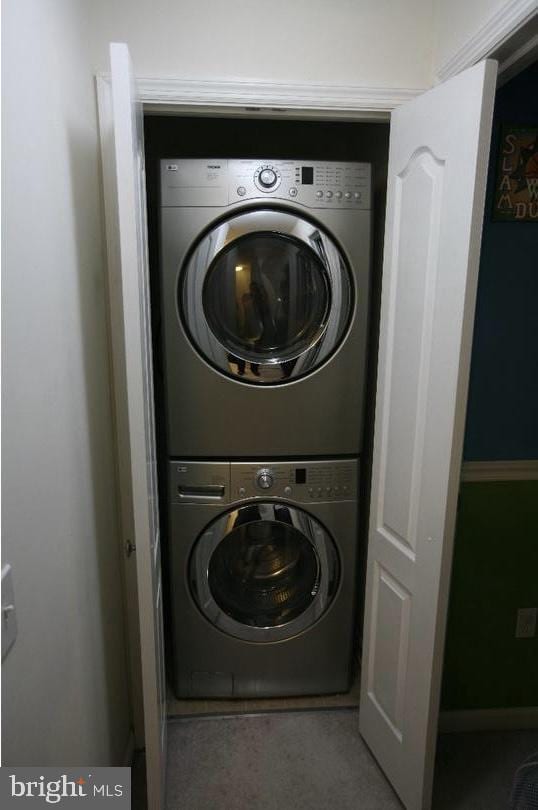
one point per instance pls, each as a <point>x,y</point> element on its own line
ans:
<point>273,98</point>
<point>252,97</point>
<point>270,95</point>
<point>517,60</point>
<point>475,471</point>
<point>505,22</point>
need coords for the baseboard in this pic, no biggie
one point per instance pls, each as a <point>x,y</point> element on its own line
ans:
<point>128,754</point>
<point>489,719</point>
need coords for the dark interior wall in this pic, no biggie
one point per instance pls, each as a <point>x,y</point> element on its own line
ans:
<point>502,412</point>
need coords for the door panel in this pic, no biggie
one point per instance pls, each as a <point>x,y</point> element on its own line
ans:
<point>132,357</point>
<point>437,170</point>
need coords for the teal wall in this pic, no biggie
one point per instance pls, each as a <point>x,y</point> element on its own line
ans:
<point>495,572</point>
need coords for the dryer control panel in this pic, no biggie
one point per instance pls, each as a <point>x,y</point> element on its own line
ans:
<point>298,481</point>
<point>219,182</point>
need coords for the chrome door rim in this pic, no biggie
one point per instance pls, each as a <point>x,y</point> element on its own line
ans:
<point>322,544</point>
<point>191,286</point>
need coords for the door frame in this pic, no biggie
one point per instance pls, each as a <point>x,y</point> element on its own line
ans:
<point>509,39</point>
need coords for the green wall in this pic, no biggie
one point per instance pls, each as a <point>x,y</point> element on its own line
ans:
<point>495,572</point>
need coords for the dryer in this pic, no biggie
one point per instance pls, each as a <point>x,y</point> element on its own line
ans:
<point>263,570</point>
<point>264,290</point>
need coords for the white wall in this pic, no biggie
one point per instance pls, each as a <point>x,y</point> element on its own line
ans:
<point>456,21</point>
<point>378,43</point>
<point>64,682</point>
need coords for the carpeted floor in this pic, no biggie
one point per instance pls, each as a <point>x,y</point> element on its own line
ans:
<point>280,761</point>
<point>316,760</point>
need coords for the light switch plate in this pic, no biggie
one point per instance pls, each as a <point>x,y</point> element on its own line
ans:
<point>526,622</point>
<point>9,616</point>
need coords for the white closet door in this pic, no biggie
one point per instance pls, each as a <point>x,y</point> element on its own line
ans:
<point>135,412</point>
<point>439,148</point>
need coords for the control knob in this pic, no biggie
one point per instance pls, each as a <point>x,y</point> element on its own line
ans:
<point>265,479</point>
<point>267,178</point>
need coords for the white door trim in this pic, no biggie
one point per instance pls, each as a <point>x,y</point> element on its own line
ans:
<point>489,37</point>
<point>121,129</point>
<point>270,98</point>
<point>123,470</point>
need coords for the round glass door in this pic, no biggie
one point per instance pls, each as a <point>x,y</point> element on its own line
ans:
<point>264,572</point>
<point>266,296</point>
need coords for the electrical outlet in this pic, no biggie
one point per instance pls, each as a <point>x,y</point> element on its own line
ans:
<point>526,622</point>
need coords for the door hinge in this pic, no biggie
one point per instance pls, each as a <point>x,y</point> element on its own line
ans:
<point>129,548</point>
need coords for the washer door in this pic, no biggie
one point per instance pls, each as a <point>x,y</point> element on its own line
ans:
<point>264,572</point>
<point>266,296</point>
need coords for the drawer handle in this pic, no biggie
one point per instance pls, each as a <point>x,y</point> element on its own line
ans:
<point>209,491</point>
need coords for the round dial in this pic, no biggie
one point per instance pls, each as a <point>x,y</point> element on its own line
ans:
<point>267,177</point>
<point>265,479</point>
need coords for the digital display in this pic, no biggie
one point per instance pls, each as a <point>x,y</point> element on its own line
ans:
<point>307,175</point>
<point>300,475</point>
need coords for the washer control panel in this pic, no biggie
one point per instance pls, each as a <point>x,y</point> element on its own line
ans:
<point>301,481</point>
<point>220,182</point>
<point>214,482</point>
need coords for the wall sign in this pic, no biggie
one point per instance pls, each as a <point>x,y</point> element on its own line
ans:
<point>516,183</point>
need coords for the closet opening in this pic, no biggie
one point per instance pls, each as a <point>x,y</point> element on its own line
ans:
<point>308,156</point>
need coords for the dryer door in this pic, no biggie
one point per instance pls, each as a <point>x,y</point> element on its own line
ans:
<point>266,296</point>
<point>264,572</point>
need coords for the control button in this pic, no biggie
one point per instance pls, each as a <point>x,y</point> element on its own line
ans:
<point>264,479</point>
<point>328,194</point>
<point>293,191</point>
<point>287,490</point>
<point>348,195</point>
<point>241,191</point>
<point>242,491</point>
<point>310,490</point>
<point>338,195</point>
<point>337,488</point>
<point>357,195</point>
<point>319,193</point>
<point>329,489</point>
<point>267,177</point>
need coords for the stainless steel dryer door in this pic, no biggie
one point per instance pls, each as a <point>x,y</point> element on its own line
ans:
<point>264,572</point>
<point>266,296</point>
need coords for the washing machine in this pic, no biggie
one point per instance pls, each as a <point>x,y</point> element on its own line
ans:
<point>263,571</point>
<point>264,289</point>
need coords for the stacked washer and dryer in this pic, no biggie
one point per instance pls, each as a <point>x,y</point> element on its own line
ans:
<point>264,294</point>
